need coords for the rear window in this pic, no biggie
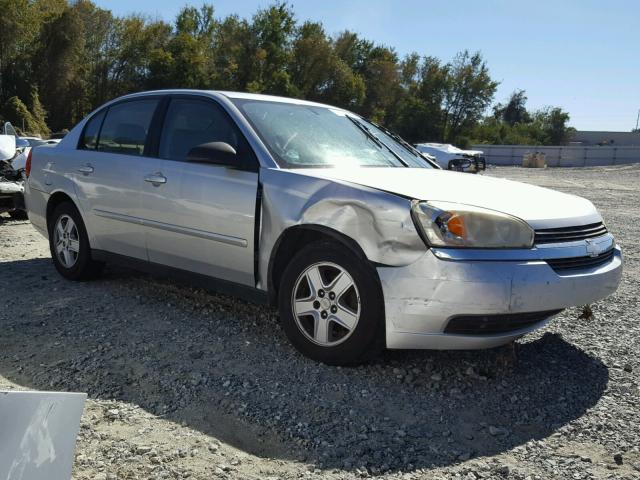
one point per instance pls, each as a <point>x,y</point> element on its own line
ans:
<point>91,130</point>
<point>126,127</point>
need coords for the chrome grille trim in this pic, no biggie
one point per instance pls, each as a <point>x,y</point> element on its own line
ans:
<point>569,234</point>
<point>560,265</point>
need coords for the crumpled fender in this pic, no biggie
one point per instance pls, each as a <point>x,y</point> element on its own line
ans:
<point>379,222</point>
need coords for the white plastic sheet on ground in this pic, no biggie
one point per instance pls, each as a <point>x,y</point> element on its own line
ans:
<point>38,433</point>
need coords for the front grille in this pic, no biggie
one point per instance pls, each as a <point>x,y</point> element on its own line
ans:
<point>569,234</point>
<point>561,265</point>
<point>492,324</point>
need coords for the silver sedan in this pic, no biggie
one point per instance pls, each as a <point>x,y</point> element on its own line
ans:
<point>360,241</point>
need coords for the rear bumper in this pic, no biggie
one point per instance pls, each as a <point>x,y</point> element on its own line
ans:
<point>36,206</point>
<point>421,298</point>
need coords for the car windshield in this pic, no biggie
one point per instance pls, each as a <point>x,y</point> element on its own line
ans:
<point>308,136</point>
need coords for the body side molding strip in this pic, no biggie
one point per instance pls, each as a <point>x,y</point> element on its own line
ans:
<point>194,232</point>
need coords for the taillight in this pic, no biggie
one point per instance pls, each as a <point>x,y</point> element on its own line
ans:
<point>27,167</point>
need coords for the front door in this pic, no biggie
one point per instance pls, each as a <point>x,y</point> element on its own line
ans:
<point>200,217</point>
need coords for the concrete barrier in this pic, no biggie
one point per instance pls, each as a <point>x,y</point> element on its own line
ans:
<point>570,156</point>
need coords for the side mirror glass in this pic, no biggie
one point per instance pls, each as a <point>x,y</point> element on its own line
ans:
<point>216,153</point>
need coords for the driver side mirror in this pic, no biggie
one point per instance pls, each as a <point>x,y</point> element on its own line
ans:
<point>216,153</point>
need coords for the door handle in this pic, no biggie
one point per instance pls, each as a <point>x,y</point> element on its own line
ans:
<point>156,178</point>
<point>86,169</point>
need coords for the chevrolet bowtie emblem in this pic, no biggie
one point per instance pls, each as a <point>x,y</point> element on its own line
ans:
<point>593,249</point>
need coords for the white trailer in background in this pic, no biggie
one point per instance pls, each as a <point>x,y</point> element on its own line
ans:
<point>454,158</point>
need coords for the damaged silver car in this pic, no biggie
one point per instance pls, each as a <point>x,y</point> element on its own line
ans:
<point>12,161</point>
<point>360,241</point>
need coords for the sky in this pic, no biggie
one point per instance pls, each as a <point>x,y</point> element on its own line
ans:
<point>581,55</point>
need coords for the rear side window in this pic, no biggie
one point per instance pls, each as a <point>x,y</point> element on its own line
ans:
<point>192,122</point>
<point>126,127</point>
<point>91,131</point>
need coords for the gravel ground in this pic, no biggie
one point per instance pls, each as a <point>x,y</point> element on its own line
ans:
<point>188,384</point>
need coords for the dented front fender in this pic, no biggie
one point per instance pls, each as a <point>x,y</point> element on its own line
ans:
<point>379,222</point>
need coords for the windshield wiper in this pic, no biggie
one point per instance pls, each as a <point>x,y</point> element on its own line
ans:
<point>375,139</point>
<point>403,142</point>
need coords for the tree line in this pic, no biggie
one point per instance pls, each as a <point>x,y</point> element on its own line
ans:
<point>60,60</point>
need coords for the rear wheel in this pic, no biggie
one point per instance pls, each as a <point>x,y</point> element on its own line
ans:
<point>331,305</point>
<point>69,244</point>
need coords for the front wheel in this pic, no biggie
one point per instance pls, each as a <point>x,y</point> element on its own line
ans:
<point>69,244</point>
<point>331,305</point>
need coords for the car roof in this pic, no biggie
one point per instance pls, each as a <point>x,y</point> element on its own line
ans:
<point>271,98</point>
<point>232,96</point>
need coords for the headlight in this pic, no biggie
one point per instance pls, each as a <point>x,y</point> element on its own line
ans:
<point>445,224</point>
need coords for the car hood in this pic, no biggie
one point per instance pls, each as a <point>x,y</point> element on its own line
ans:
<point>540,207</point>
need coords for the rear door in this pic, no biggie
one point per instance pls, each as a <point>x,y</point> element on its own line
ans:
<point>107,169</point>
<point>200,217</point>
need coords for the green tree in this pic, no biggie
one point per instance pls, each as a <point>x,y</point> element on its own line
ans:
<point>345,88</point>
<point>99,52</point>
<point>18,28</point>
<point>60,70</point>
<point>419,116</point>
<point>16,112</point>
<point>39,115</point>
<point>190,49</point>
<point>273,28</point>
<point>137,60</point>
<point>233,54</point>
<point>468,93</point>
<point>547,126</point>
<point>353,50</point>
<point>554,126</point>
<point>382,82</point>
<point>311,61</point>
<point>515,110</point>
<point>66,58</point>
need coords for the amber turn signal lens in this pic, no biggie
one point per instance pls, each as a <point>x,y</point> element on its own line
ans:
<point>456,226</point>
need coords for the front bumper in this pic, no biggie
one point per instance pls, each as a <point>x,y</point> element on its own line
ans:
<point>421,298</point>
<point>473,164</point>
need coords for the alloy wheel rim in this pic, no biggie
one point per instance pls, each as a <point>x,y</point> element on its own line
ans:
<point>66,241</point>
<point>326,304</point>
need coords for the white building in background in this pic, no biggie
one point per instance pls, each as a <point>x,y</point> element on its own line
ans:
<point>612,139</point>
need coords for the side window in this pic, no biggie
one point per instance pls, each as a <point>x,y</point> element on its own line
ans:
<point>192,122</point>
<point>126,127</point>
<point>91,130</point>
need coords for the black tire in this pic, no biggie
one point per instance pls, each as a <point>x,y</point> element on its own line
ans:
<point>366,340</point>
<point>18,215</point>
<point>84,268</point>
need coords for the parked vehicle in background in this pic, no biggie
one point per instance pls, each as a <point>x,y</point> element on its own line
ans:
<point>454,158</point>
<point>34,141</point>
<point>360,241</point>
<point>12,163</point>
